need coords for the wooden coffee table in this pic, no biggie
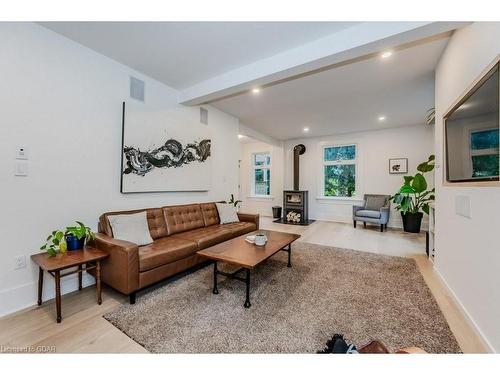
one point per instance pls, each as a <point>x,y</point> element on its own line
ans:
<point>241,253</point>
<point>89,257</point>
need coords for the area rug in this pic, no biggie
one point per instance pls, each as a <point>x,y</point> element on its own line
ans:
<point>328,290</point>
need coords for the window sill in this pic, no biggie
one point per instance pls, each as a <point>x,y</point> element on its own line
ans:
<point>341,199</point>
<point>260,197</point>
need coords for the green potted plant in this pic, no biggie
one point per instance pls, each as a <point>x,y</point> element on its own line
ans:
<point>55,243</point>
<point>234,202</point>
<point>75,236</point>
<point>413,198</point>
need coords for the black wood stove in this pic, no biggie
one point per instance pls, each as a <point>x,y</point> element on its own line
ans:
<point>296,202</point>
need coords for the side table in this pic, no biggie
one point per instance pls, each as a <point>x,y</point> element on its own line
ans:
<point>86,259</point>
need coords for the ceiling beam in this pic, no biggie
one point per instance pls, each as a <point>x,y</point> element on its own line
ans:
<point>351,43</point>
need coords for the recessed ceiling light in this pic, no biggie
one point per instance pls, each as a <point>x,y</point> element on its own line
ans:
<point>381,118</point>
<point>306,129</point>
<point>386,54</point>
<point>256,90</point>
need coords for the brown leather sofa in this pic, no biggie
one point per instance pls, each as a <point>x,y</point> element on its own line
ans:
<point>178,233</point>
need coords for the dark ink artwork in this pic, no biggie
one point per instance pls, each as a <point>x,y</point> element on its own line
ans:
<point>171,155</point>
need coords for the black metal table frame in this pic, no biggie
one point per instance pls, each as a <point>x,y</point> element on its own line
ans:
<point>246,279</point>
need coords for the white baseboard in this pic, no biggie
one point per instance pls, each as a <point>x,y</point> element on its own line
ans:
<point>24,296</point>
<point>344,220</point>
<point>465,313</point>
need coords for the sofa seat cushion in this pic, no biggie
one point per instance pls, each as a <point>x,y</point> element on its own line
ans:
<point>163,251</point>
<point>207,236</point>
<point>368,213</point>
<point>240,228</point>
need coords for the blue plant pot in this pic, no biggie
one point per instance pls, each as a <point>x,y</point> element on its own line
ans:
<point>74,243</point>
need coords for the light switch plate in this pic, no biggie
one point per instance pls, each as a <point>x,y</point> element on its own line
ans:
<point>21,168</point>
<point>462,206</point>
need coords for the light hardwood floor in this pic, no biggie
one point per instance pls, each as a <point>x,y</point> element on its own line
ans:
<point>84,330</point>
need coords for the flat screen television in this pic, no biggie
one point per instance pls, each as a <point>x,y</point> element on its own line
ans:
<point>472,133</point>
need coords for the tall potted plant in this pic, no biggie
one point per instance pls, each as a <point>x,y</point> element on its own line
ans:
<point>413,198</point>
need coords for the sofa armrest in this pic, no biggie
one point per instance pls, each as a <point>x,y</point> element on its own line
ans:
<point>250,218</point>
<point>384,214</point>
<point>121,269</point>
<point>355,209</point>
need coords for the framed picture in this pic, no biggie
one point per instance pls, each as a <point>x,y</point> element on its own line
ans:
<point>398,166</point>
<point>163,151</point>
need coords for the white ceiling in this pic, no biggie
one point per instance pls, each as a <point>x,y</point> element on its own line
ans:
<point>181,54</point>
<point>345,99</point>
<point>244,139</point>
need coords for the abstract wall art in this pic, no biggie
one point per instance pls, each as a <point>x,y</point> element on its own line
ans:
<point>163,150</point>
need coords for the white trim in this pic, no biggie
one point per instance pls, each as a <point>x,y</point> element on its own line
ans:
<point>480,152</point>
<point>24,296</point>
<point>330,198</point>
<point>260,197</point>
<point>465,313</point>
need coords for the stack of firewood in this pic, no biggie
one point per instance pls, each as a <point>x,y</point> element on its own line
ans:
<point>293,216</point>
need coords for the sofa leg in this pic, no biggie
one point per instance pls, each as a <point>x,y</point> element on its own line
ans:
<point>131,297</point>
<point>364,224</point>
<point>354,222</point>
<point>381,227</point>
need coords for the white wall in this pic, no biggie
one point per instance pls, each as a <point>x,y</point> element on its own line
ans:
<point>262,206</point>
<point>468,250</point>
<point>374,148</point>
<point>63,102</point>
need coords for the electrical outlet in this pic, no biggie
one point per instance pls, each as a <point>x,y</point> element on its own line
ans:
<point>20,262</point>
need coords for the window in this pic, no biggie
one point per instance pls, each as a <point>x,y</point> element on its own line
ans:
<point>484,153</point>
<point>339,171</point>
<point>261,174</point>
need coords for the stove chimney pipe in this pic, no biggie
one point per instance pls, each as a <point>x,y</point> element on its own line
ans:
<point>297,150</point>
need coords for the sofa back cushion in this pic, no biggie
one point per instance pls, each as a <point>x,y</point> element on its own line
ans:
<point>375,202</point>
<point>210,214</point>
<point>183,218</point>
<point>156,222</point>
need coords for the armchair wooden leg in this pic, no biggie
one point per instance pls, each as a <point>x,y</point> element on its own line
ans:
<point>381,227</point>
<point>354,222</point>
<point>364,224</point>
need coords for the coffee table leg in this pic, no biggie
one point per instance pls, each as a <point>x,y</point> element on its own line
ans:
<point>98,281</point>
<point>247,282</point>
<point>40,285</point>
<point>80,277</point>
<point>58,295</point>
<point>215,290</point>
<point>289,255</point>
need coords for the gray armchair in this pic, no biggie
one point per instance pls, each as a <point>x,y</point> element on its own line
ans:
<point>376,209</point>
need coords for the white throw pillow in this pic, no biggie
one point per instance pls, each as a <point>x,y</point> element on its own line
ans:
<point>131,227</point>
<point>227,213</point>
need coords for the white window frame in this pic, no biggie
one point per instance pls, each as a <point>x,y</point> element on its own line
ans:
<point>484,151</point>
<point>255,167</point>
<point>354,161</point>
